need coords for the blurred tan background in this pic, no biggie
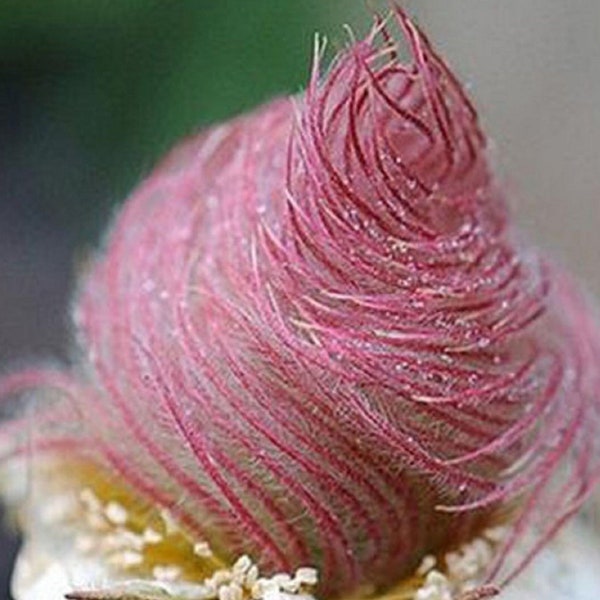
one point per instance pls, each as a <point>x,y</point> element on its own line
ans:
<point>92,93</point>
<point>534,69</point>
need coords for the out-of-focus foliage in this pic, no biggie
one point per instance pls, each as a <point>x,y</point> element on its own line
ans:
<point>120,81</point>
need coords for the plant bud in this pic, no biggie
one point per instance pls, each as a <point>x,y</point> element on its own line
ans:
<point>315,351</point>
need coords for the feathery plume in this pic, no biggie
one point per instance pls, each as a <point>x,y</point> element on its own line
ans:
<point>315,337</point>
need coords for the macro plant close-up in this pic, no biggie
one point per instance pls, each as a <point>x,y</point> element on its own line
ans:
<point>319,353</point>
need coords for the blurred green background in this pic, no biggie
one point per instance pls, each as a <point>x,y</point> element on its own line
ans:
<point>96,91</point>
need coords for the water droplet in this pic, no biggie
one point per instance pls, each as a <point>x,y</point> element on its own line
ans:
<point>483,342</point>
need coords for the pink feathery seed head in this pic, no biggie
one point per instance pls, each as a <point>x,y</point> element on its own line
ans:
<point>316,338</point>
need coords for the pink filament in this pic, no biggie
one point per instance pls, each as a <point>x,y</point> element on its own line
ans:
<point>315,335</point>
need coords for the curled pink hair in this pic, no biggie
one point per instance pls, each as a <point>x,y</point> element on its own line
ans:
<point>315,336</point>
